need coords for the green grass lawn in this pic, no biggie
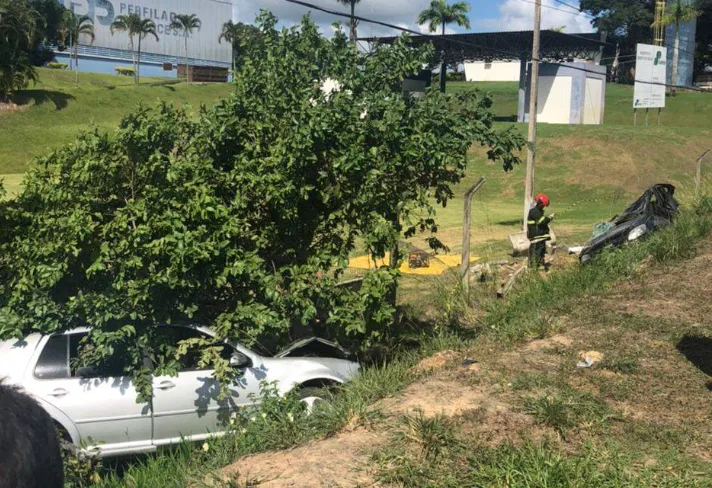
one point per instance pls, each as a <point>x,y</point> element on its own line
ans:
<point>60,110</point>
<point>590,172</point>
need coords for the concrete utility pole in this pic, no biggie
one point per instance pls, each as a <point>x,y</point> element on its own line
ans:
<point>533,106</point>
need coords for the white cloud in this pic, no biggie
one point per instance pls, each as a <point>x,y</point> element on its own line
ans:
<point>516,15</point>
<point>402,13</point>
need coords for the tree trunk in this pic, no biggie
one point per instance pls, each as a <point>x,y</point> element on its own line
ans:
<point>138,62</point>
<point>443,66</point>
<point>352,35</point>
<point>675,60</point>
<point>188,76</point>
<point>76,63</point>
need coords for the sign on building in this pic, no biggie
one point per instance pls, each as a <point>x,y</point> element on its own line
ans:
<point>650,76</point>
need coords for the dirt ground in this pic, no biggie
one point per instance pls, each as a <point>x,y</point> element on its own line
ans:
<point>654,336</point>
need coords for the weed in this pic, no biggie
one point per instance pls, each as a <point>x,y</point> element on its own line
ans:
<point>552,412</point>
<point>568,410</point>
<point>623,365</point>
<point>432,435</point>
<point>530,381</point>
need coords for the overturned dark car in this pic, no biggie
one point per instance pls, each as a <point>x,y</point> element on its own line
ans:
<point>655,209</point>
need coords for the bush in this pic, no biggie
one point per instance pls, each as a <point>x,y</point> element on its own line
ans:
<point>125,71</point>
<point>244,219</point>
<point>57,65</point>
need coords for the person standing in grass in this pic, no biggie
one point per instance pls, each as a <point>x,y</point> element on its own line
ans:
<point>538,231</point>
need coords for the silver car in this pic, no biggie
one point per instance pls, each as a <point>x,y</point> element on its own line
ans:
<point>98,409</point>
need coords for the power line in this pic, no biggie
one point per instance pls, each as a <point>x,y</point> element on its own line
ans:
<point>551,7</point>
<point>466,43</point>
<point>577,9</point>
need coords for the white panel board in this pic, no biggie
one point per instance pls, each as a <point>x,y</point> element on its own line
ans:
<point>202,44</point>
<point>554,99</point>
<point>495,71</point>
<point>592,103</point>
<point>650,76</point>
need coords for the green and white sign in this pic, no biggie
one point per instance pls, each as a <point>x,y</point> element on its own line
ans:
<point>650,76</point>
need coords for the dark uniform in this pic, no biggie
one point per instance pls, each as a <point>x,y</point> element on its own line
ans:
<point>537,233</point>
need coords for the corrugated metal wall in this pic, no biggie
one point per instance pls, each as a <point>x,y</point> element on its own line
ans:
<point>203,44</point>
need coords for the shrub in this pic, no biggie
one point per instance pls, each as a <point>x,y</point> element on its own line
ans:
<point>57,65</point>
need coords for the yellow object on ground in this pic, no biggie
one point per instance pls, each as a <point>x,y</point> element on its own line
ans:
<point>438,264</point>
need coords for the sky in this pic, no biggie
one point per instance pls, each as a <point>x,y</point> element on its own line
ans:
<point>485,15</point>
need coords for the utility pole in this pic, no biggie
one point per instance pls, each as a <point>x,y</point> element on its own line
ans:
<point>533,106</point>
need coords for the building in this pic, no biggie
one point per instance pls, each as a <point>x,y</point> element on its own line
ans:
<point>492,70</point>
<point>158,58</point>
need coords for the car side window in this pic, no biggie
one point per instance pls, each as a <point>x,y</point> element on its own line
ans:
<point>53,362</point>
<point>112,367</point>
<point>189,361</point>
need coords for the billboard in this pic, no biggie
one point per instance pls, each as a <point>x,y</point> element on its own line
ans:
<point>202,44</point>
<point>650,76</point>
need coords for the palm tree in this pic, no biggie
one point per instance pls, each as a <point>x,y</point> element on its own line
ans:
<point>231,33</point>
<point>187,24</point>
<point>73,26</point>
<point>439,13</point>
<point>134,25</point>
<point>352,31</point>
<point>679,13</point>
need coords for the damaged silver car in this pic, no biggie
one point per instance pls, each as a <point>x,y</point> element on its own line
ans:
<point>97,407</point>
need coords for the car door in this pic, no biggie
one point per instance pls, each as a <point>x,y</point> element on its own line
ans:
<point>187,406</point>
<point>101,402</point>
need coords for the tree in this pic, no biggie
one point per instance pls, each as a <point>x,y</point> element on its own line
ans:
<point>439,13</point>
<point>626,21</point>
<point>353,37</point>
<point>72,27</point>
<point>675,14</point>
<point>186,24</point>
<point>239,36</point>
<point>134,25</point>
<point>19,25</point>
<point>703,51</point>
<point>244,218</point>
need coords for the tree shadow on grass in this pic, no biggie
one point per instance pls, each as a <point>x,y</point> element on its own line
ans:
<point>40,97</point>
<point>698,350</point>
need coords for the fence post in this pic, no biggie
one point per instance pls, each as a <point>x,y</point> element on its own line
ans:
<point>466,224</point>
<point>698,176</point>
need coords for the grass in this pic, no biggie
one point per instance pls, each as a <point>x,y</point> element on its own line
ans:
<point>60,110</point>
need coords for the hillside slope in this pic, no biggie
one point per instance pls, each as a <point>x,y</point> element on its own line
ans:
<point>59,110</point>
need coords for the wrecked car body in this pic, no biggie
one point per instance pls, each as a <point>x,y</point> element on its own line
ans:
<point>655,209</point>
<point>314,347</point>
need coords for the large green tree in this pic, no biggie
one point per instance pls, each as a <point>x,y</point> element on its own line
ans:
<point>676,13</point>
<point>703,51</point>
<point>186,24</point>
<point>439,14</point>
<point>626,21</point>
<point>19,34</point>
<point>244,219</point>
<point>134,25</point>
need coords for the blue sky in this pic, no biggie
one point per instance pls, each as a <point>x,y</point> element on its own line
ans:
<point>485,15</point>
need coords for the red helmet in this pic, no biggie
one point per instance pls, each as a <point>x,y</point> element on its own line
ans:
<point>542,200</point>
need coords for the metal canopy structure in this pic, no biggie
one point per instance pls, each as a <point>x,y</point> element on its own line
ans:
<point>500,46</point>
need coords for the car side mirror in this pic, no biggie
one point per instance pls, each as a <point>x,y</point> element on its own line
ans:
<point>239,360</point>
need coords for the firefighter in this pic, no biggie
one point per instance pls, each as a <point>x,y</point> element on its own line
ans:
<point>538,231</point>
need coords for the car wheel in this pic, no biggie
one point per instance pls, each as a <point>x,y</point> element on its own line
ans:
<point>311,397</point>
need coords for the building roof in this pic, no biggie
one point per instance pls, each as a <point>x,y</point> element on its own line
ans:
<point>491,46</point>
